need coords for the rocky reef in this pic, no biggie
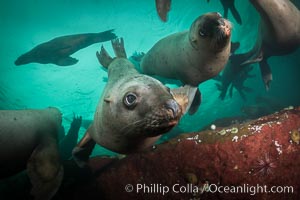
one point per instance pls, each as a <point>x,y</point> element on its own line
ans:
<point>258,159</point>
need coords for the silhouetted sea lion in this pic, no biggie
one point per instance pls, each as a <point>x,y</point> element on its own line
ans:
<point>162,8</point>
<point>29,138</point>
<point>229,5</point>
<point>133,111</point>
<point>279,33</point>
<point>58,50</point>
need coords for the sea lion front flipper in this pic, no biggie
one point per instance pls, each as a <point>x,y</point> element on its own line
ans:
<point>83,150</point>
<point>235,13</point>
<point>266,73</point>
<point>196,102</point>
<point>119,49</point>
<point>103,57</point>
<point>66,61</point>
<point>184,96</point>
<point>44,170</point>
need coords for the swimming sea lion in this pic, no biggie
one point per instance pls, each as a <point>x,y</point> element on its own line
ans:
<point>29,138</point>
<point>133,111</point>
<point>162,8</point>
<point>279,33</point>
<point>191,56</point>
<point>58,50</point>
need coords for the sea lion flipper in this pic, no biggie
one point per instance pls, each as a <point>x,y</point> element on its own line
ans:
<point>258,58</point>
<point>44,170</point>
<point>266,73</point>
<point>185,97</point>
<point>119,49</point>
<point>83,150</point>
<point>103,57</point>
<point>66,61</point>
<point>196,102</point>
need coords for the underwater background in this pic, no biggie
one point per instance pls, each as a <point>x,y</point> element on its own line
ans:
<point>77,88</point>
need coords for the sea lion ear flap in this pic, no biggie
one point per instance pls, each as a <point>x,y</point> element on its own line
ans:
<point>188,97</point>
<point>107,99</point>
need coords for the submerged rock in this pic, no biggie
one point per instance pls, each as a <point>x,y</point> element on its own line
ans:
<point>240,164</point>
<point>258,159</point>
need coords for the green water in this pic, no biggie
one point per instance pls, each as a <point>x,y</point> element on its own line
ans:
<point>77,88</point>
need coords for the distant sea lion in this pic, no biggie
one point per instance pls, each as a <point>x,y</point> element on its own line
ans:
<point>279,33</point>
<point>29,138</point>
<point>134,109</point>
<point>162,8</point>
<point>58,50</point>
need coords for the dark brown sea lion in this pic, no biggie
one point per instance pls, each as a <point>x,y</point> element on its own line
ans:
<point>134,109</point>
<point>162,8</point>
<point>279,33</point>
<point>28,139</point>
<point>58,50</point>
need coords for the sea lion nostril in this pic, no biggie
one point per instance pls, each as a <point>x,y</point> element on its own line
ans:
<point>173,106</point>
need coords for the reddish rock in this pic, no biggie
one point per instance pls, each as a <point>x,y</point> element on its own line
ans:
<point>261,154</point>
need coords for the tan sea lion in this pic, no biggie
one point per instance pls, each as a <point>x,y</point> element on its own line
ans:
<point>191,56</point>
<point>58,50</point>
<point>278,34</point>
<point>134,109</point>
<point>28,138</point>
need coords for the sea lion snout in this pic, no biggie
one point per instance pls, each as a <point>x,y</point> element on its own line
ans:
<point>173,106</point>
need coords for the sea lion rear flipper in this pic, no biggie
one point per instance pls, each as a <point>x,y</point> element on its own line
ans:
<point>119,49</point>
<point>266,73</point>
<point>258,58</point>
<point>83,150</point>
<point>44,170</point>
<point>66,61</point>
<point>103,57</point>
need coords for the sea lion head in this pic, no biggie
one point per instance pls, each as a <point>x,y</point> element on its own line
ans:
<point>210,28</point>
<point>135,110</point>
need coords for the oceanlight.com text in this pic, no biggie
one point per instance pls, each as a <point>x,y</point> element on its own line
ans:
<point>211,188</point>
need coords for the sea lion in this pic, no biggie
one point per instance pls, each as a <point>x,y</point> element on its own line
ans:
<point>162,8</point>
<point>29,138</point>
<point>191,56</point>
<point>279,33</point>
<point>134,109</point>
<point>58,50</point>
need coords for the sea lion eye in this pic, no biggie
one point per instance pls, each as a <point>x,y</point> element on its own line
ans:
<point>202,33</point>
<point>130,100</point>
